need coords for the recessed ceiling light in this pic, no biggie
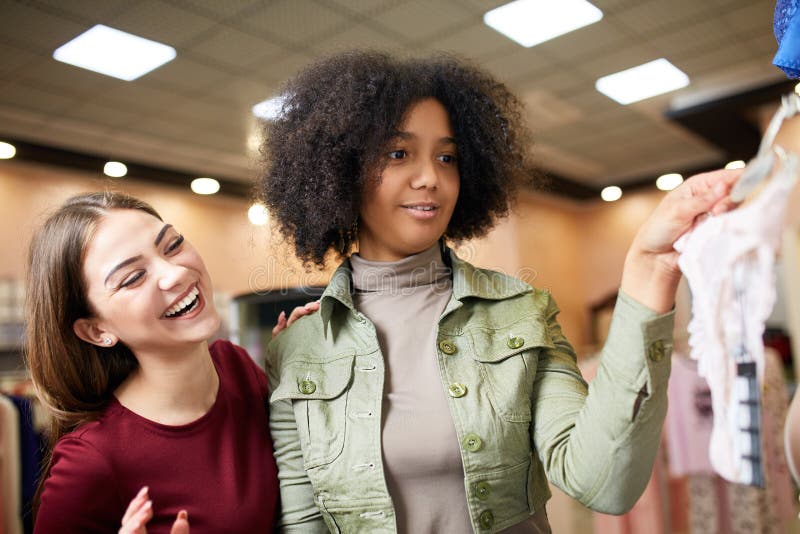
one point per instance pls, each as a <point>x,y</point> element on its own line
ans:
<point>637,83</point>
<point>115,169</point>
<point>668,182</point>
<point>530,22</point>
<point>611,193</point>
<point>7,150</point>
<point>738,164</point>
<point>258,214</point>
<point>205,186</point>
<point>269,109</point>
<point>114,53</point>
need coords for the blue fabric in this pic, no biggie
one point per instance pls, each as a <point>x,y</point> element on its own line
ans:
<point>787,32</point>
<point>31,446</point>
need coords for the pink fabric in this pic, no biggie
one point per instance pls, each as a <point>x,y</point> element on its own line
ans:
<point>689,419</point>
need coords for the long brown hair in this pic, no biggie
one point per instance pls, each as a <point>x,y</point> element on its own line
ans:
<point>72,378</point>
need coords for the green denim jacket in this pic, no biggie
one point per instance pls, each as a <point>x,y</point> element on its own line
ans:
<point>522,411</point>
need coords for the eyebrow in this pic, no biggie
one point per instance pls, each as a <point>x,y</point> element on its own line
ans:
<point>121,265</point>
<point>160,235</point>
<point>408,135</point>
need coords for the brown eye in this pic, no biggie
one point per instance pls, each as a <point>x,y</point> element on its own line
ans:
<point>397,154</point>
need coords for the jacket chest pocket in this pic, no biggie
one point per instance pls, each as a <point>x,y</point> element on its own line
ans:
<point>319,394</point>
<point>507,358</point>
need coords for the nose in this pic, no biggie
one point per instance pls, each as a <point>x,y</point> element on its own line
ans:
<point>170,275</point>
<point>426,175</point>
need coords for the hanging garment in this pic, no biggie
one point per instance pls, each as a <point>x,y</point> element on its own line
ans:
<point>31,446</point>
<point>689,419</point>
<point>787,32</point>
<point>729,262</point>
<point>10,476</point>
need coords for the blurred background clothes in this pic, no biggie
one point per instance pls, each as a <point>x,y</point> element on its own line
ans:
<point>787,32</point>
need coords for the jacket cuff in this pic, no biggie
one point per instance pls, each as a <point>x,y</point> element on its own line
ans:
<point>639,343</point>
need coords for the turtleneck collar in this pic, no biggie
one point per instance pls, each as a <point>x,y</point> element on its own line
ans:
<point>421,269</point>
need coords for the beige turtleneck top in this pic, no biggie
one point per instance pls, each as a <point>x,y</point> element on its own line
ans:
<point>422,460</point>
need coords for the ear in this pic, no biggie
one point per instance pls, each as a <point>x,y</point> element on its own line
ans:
<point>89,331</point>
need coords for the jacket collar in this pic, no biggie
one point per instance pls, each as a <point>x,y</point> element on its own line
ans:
<point>468,281</point>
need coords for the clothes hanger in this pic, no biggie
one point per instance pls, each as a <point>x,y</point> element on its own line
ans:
<point>763,163</point>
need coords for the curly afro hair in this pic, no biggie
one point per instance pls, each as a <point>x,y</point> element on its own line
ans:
<point>337,118</point>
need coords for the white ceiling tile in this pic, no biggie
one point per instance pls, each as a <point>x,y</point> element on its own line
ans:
<point>652,16</point>
<point>365,7</point>
<point>420,20</point>
<point>232,47</point>
<point>689,38</point>
<point>162,22</point>
<point>185,74</point>
<point>751,17</point>
<point>84,11</point>
<point>281,68</point>
<point>356,36</point>
<point>17,60</point>
<point>299,22</point>
<point>35,30</point>
<point>241,90</point>
<point>586,41</point>
<point>34,98</point>
<point>96,113</point>
<point>61,77</point>
<point>222,9</point>
<point>139,98</point>
<point>519,64</point>
<point>476,41</point>
<point>616,60</point>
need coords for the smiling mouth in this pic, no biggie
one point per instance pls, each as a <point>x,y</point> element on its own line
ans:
<point>421,208</point>
<point>184,306</point>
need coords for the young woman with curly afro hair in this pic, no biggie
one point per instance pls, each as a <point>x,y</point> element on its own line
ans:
<point>428,395</point>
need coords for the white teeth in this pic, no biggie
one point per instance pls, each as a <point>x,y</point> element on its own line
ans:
<point>188,299</point>
<point>422,208</point>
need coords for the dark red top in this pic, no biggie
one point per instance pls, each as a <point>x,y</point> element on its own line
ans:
<point>220,468</point>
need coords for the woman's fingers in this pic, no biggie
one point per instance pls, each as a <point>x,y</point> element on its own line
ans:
<point>135,504</point>
<point>181,524</point>
<point>281,324</point>
<point>300,311</point>
<point>135,524</point>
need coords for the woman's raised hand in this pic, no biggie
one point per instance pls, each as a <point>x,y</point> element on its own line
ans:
<point>140,511</point>
<point>651,272</point>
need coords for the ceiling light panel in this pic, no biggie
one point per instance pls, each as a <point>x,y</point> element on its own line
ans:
<point>645,81</point>
<point>530,22</point>
<point>114,53</point>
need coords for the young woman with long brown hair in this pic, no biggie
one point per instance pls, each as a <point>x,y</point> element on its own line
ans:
<point>119,313</point>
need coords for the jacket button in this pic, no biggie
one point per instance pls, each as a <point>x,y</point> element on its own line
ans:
<point>486,519</point>
<point>307,387</point>
<point>515,342</point>
<point>472,442</point>
<point>657,350</point>
<point>447,346</point>
<point>457,390</point>
<point>482,490</point>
